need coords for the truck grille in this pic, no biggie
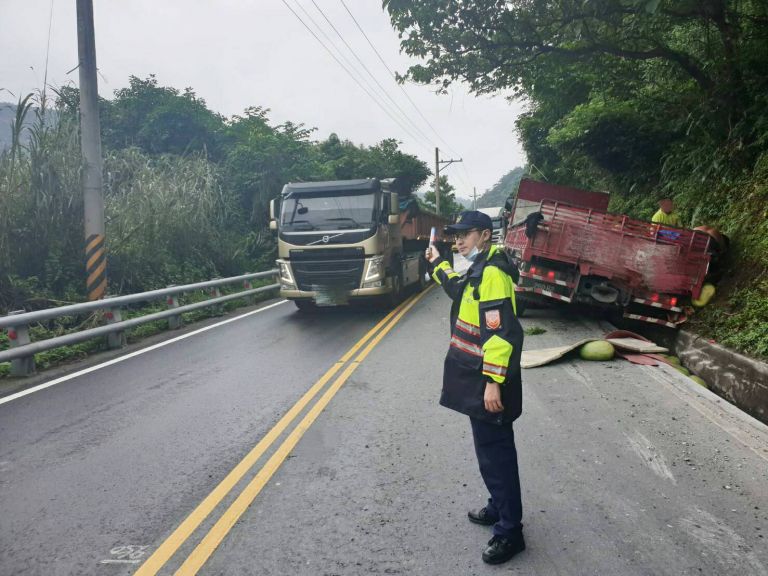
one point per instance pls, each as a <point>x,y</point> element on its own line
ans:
<point>327,268</point>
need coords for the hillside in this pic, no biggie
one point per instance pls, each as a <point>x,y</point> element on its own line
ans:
<point>496,195</point>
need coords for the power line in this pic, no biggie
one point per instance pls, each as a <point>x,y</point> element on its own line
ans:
<point>394,77</point>
<point>351,75</point>
<point>368,71</point>
<point>405,92</point>
<point>352,67</point>
<point>330,42</point>
<point>48,48</point>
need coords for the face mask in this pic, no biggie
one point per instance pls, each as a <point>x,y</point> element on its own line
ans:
<point>472,254</point>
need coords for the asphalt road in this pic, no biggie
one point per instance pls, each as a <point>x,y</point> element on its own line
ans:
<point>625,469</point>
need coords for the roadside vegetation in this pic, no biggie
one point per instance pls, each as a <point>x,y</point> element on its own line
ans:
<point>641,98</point>
<point>186,195</point>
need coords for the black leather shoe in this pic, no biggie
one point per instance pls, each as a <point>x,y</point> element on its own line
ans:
<point>502,549</point>
<point>482,517</point>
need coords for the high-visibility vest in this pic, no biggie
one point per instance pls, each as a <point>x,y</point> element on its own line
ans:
<point>661,217</point>
<point>486,337</point>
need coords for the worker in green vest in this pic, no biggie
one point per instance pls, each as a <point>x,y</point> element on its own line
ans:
<point>666,214</point>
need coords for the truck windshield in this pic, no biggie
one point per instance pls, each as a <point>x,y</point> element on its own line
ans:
<point>331,212</point>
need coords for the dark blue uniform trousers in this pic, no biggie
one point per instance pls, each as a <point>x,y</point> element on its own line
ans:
<point>497,456</point>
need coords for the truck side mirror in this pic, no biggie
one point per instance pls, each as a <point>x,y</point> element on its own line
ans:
<point>272,210</point>
<point>394,203</point>
<point>272,215</point>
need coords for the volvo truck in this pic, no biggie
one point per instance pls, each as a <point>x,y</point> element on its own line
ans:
<point>347,240</point>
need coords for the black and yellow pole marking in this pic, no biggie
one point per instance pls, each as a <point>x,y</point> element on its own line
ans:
<point>96,266</point>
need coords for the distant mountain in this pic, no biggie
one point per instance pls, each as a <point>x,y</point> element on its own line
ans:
<point>8,115</point>
<point>500,191</point>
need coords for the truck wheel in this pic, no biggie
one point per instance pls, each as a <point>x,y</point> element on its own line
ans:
<point>521,305</point>
<point>305,306</point>
<point>394,297</point>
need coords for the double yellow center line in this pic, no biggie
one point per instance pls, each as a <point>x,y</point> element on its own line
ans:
<point>223,525</point>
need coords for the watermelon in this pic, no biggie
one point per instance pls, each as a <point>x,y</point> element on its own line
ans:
<point>672,359</point>
<point>597,350</point>
<point>707,293</point>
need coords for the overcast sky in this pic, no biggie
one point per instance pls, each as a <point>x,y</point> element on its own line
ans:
<point>240,53</point>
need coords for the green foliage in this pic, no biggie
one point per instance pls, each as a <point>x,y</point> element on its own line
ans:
<point>534,331</point>
<point>641,98</point>
<point>503,189</point>
<point>186,190</point>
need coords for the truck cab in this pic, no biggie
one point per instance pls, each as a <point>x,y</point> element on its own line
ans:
<point>342,240</point>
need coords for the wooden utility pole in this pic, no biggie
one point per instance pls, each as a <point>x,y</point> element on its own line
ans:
<point>474,198</point>
<point>438,162</point>
<point>90,144</point>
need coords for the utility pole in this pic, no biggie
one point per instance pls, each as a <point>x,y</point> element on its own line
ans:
<point>438,162</point>
<point>474,198</point>
<point>437,180</point>
<point>90,144</point>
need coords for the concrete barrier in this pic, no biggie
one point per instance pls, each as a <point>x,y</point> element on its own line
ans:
<point>739,379</point>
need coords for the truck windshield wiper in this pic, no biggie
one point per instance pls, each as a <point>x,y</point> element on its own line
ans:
<point>355,223</point>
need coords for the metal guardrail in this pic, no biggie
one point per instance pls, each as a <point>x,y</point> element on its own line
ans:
<point>22,351</point>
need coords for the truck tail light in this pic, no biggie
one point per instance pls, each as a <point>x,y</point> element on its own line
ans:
<point>533,269</point>
<point>654,298</point>
<point>551,274</point>
<point>673,301</point>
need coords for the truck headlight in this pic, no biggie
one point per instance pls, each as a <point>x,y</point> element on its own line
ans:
<point>285,273</point>
<point>375,269</point>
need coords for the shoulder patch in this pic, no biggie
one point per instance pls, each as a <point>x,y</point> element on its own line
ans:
<point>493,319</point>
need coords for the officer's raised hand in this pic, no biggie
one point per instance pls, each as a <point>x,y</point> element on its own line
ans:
<point>492,398</point>
<point>431,254</point>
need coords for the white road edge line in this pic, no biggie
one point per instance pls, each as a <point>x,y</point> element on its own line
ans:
<point>45,385</point>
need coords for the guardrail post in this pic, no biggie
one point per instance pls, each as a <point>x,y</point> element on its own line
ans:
<point>19,336</point>
<point>115,340</point>
<point>215,292</point>
<point>248,285</point>
<point>174,322</point>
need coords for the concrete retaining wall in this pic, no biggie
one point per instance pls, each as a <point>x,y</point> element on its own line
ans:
<point>739,379</point>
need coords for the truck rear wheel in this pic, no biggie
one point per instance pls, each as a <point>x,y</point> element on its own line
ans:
<point>520,305</point>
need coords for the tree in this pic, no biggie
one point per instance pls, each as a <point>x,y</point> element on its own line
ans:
<point>260,159</point>
<point>449,206</point>
<point>159,119</point>
<point>613,87</point>
<point>343,160</point>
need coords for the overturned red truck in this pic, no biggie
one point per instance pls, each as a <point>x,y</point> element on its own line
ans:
<point>570,249</point>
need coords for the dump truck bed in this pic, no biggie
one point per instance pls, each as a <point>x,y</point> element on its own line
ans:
<point>645,256</point>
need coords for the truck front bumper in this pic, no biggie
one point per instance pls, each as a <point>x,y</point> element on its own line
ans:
<point>294,294</point>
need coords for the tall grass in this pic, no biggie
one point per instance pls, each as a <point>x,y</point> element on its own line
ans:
<point>168,220</point>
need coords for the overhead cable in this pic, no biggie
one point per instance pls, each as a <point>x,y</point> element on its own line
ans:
<point>427,139</point>
<point>351,75</point>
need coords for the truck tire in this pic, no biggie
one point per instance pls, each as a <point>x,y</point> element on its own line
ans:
<point>394,297</point>
<point>521,306</point>
<point>305,306</point>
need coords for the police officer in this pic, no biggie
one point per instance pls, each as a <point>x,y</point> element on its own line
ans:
<point>481,376</point>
